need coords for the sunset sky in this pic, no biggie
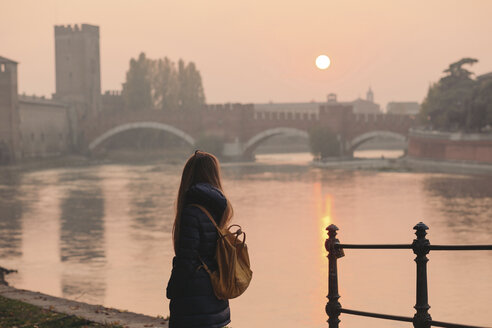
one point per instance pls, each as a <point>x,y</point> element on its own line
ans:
<point>260,51</point>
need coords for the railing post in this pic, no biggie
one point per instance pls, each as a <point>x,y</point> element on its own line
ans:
<point>333,307</point>
<point>421,248</point>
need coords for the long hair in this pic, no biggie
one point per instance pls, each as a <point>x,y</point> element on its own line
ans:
<point>200,167</point>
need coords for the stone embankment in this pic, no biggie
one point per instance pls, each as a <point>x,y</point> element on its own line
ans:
<point>450,146</point>
<point>94,313</point>
<point>409,165</point>
<point>439,166</point>
<point>360,164</point>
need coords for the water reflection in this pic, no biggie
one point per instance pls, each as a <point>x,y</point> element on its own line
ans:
<point>82,227</point>
<point>452,187</point>
<point>151,202</point>
<point>323,210</point>
<point>82,239</point>
<point>247,171</point>
<point>11,208</point>
<point>102,234</point>
<point>40,230</point>
<point>465,202</point>
<point>86,285</point>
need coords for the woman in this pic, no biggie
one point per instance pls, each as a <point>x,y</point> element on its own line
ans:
<point>193,302</point>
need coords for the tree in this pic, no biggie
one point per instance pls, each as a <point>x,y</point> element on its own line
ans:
<point>211,144</point>
<point>191,94</point>
<point>448,101</point>
<point>137,90</point>
<point>160,84</point>
<point>165,83</point>
<point>480,112</point>
<point>456,70</point>
<point>323,143</point>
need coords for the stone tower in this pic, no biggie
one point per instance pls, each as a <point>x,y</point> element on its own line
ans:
<point>9,112</point>
<point>78,72</point>
<point>370,95</point>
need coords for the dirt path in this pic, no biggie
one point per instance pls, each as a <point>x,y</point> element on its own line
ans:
<point>95,313</point>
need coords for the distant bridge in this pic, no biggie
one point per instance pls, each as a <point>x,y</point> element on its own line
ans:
<point>243,129</point>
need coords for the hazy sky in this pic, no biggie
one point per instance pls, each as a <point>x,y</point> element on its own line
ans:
<point>260,51</point>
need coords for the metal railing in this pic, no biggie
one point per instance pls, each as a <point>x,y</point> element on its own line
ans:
<point>421,247</point>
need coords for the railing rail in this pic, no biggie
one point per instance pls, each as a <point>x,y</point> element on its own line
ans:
<point>421,247</point>
<point>409,246</point>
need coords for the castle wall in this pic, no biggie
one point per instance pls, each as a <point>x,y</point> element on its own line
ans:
<point>112,101</point>
<point>450,146</point>
<point>229,121</point>
<point>44,128</point>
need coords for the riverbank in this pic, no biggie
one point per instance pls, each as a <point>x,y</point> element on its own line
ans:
<point>49,163</point>
<point>19,314</point>
<point>39,306</point>
<point>120,157</point>
<point>402,164</point>
<point>407,164</point>
<point>440,166</point>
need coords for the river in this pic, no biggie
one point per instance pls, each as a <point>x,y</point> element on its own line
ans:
<point>102,234</point>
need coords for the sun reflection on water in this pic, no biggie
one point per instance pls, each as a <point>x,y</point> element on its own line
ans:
<point>324,204</point>
<point>327,218</point>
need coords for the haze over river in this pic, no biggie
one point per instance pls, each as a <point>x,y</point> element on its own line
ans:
<point>102,234</point>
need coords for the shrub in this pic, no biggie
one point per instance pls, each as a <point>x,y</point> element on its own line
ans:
<point>323,142</point>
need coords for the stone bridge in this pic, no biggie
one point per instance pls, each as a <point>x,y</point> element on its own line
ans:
<point>242,128</point>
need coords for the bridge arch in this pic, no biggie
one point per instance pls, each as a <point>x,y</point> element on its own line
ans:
<point>252,143</point>
<point>360,139</point>
<point>141,125</point>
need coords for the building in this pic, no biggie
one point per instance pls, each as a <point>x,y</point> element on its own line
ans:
<point>403,108</point>
<point>30,127</point>
<point>366,106</point>
<point>359,106</point>
<point>45,128</point>
<point>370,95</point>
<point>78,71</point>
<point>331,98</point>
<point>36,127</point>
<point>9,112</point>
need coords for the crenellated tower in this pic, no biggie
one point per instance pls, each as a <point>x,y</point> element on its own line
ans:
<point>78,72</point>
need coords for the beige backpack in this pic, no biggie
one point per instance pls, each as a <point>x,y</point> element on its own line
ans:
<point>233,274</point>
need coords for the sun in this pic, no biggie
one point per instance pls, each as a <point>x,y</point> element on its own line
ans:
<point>323,62</point>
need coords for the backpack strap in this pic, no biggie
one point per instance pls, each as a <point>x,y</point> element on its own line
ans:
<point>221,234</point>
<point>207,213</point>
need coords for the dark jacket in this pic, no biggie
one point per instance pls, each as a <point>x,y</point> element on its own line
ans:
<point>193,302</point>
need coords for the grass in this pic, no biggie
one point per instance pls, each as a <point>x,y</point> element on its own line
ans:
<point>19,314</point>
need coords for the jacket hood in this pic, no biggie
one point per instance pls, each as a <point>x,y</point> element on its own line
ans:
<point>209,197</point>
